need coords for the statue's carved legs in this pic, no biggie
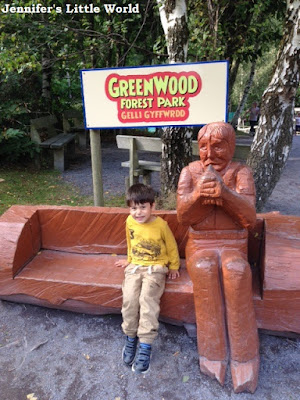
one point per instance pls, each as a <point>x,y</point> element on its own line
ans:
<point>222,281</point>
<point>245,375</point>
<point>204,271</point>
<point>241,321</point>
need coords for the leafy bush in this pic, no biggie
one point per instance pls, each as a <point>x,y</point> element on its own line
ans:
<point>16,146</point>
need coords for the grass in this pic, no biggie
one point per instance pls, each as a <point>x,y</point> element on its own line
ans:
<point>30,186</point>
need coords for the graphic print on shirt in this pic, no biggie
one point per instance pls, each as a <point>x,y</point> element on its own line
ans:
<point>145,249</point>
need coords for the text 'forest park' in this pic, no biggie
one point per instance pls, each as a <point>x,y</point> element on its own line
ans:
<point>71,9</point>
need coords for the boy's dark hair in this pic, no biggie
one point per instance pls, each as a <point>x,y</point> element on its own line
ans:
<point>140,194</point>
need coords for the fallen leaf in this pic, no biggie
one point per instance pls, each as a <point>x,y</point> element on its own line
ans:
<point>31,396</point>
<point>185,379</point>
<point>176,353</point>
<point>86,356</point>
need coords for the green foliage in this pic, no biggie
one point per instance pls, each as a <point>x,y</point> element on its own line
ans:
<point>264,69</point>
<point>239,31</point>
<point>16,146</point>
<point>19,98</point>
<point>61,44</point>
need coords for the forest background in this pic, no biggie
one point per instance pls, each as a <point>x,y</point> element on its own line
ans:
<point>42,54</point>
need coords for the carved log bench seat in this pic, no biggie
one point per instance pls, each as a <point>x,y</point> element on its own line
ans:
<point>63,257</point>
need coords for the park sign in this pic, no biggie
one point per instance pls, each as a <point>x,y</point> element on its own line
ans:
<point>160,95</point>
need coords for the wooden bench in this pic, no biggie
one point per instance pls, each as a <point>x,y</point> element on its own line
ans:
<point>73,123</point>
<point>43,131</point>
<point>63,257</point>
<point>145,168</point>
<point>139,167</point>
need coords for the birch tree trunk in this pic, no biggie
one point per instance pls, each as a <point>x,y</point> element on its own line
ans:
<point>273,139</point>
<point>242,103</point>
<point>176,141</point>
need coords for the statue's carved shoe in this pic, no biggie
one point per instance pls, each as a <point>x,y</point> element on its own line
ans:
<point>213,369</point>
<point>245,375</point>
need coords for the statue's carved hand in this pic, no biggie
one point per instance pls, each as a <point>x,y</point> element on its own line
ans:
<point>210,187</point>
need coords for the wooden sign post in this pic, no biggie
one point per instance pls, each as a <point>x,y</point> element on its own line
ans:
<point>96,158</point>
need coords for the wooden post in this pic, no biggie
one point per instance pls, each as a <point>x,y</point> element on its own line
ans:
<point>134,162</point>
<point>96,166</point>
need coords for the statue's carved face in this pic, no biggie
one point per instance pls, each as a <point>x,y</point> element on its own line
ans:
<point>214,150</point>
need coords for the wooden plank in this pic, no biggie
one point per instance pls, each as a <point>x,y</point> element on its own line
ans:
<point>57,141</point>
<point>133,161</point>
<point>143,164</point>
<point>61,140</point>
<point>44,122</point>
<point>282,254</point>
<point>142,143</point>
<point>47,143</point>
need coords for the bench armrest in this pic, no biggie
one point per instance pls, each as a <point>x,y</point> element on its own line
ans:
<point>20,238</point>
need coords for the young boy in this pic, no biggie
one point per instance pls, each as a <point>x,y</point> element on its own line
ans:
<point>152,255</point>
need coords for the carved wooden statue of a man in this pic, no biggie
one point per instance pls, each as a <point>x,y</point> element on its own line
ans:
<point>216,198</point>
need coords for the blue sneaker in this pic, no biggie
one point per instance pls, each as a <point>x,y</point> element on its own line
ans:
<point>142,361</point>
<point>129,350</point>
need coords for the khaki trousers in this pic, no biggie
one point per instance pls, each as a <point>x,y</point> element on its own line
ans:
<point>142,289</point>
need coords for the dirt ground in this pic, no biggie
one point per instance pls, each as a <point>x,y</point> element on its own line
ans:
<point>50,354</point>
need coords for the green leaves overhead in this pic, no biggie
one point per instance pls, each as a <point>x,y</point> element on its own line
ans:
<point>239,30</point>
<point>60,44</point>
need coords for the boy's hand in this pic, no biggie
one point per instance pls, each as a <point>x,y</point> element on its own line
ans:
<point>173,274</point>
<point>122,263</point>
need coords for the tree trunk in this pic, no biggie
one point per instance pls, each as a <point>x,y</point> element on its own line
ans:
<point>46,79</point>
<point>176,154</point>
<point>176,141</point>
<point>273,139</point>
<point>213,9</point>
<point>240,108</point>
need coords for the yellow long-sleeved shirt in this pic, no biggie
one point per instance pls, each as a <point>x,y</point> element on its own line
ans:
<point>151,243</point>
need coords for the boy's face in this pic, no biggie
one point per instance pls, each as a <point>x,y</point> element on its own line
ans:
<point>142,213</point>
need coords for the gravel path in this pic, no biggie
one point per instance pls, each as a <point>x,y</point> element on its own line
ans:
<point>57,355</point>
